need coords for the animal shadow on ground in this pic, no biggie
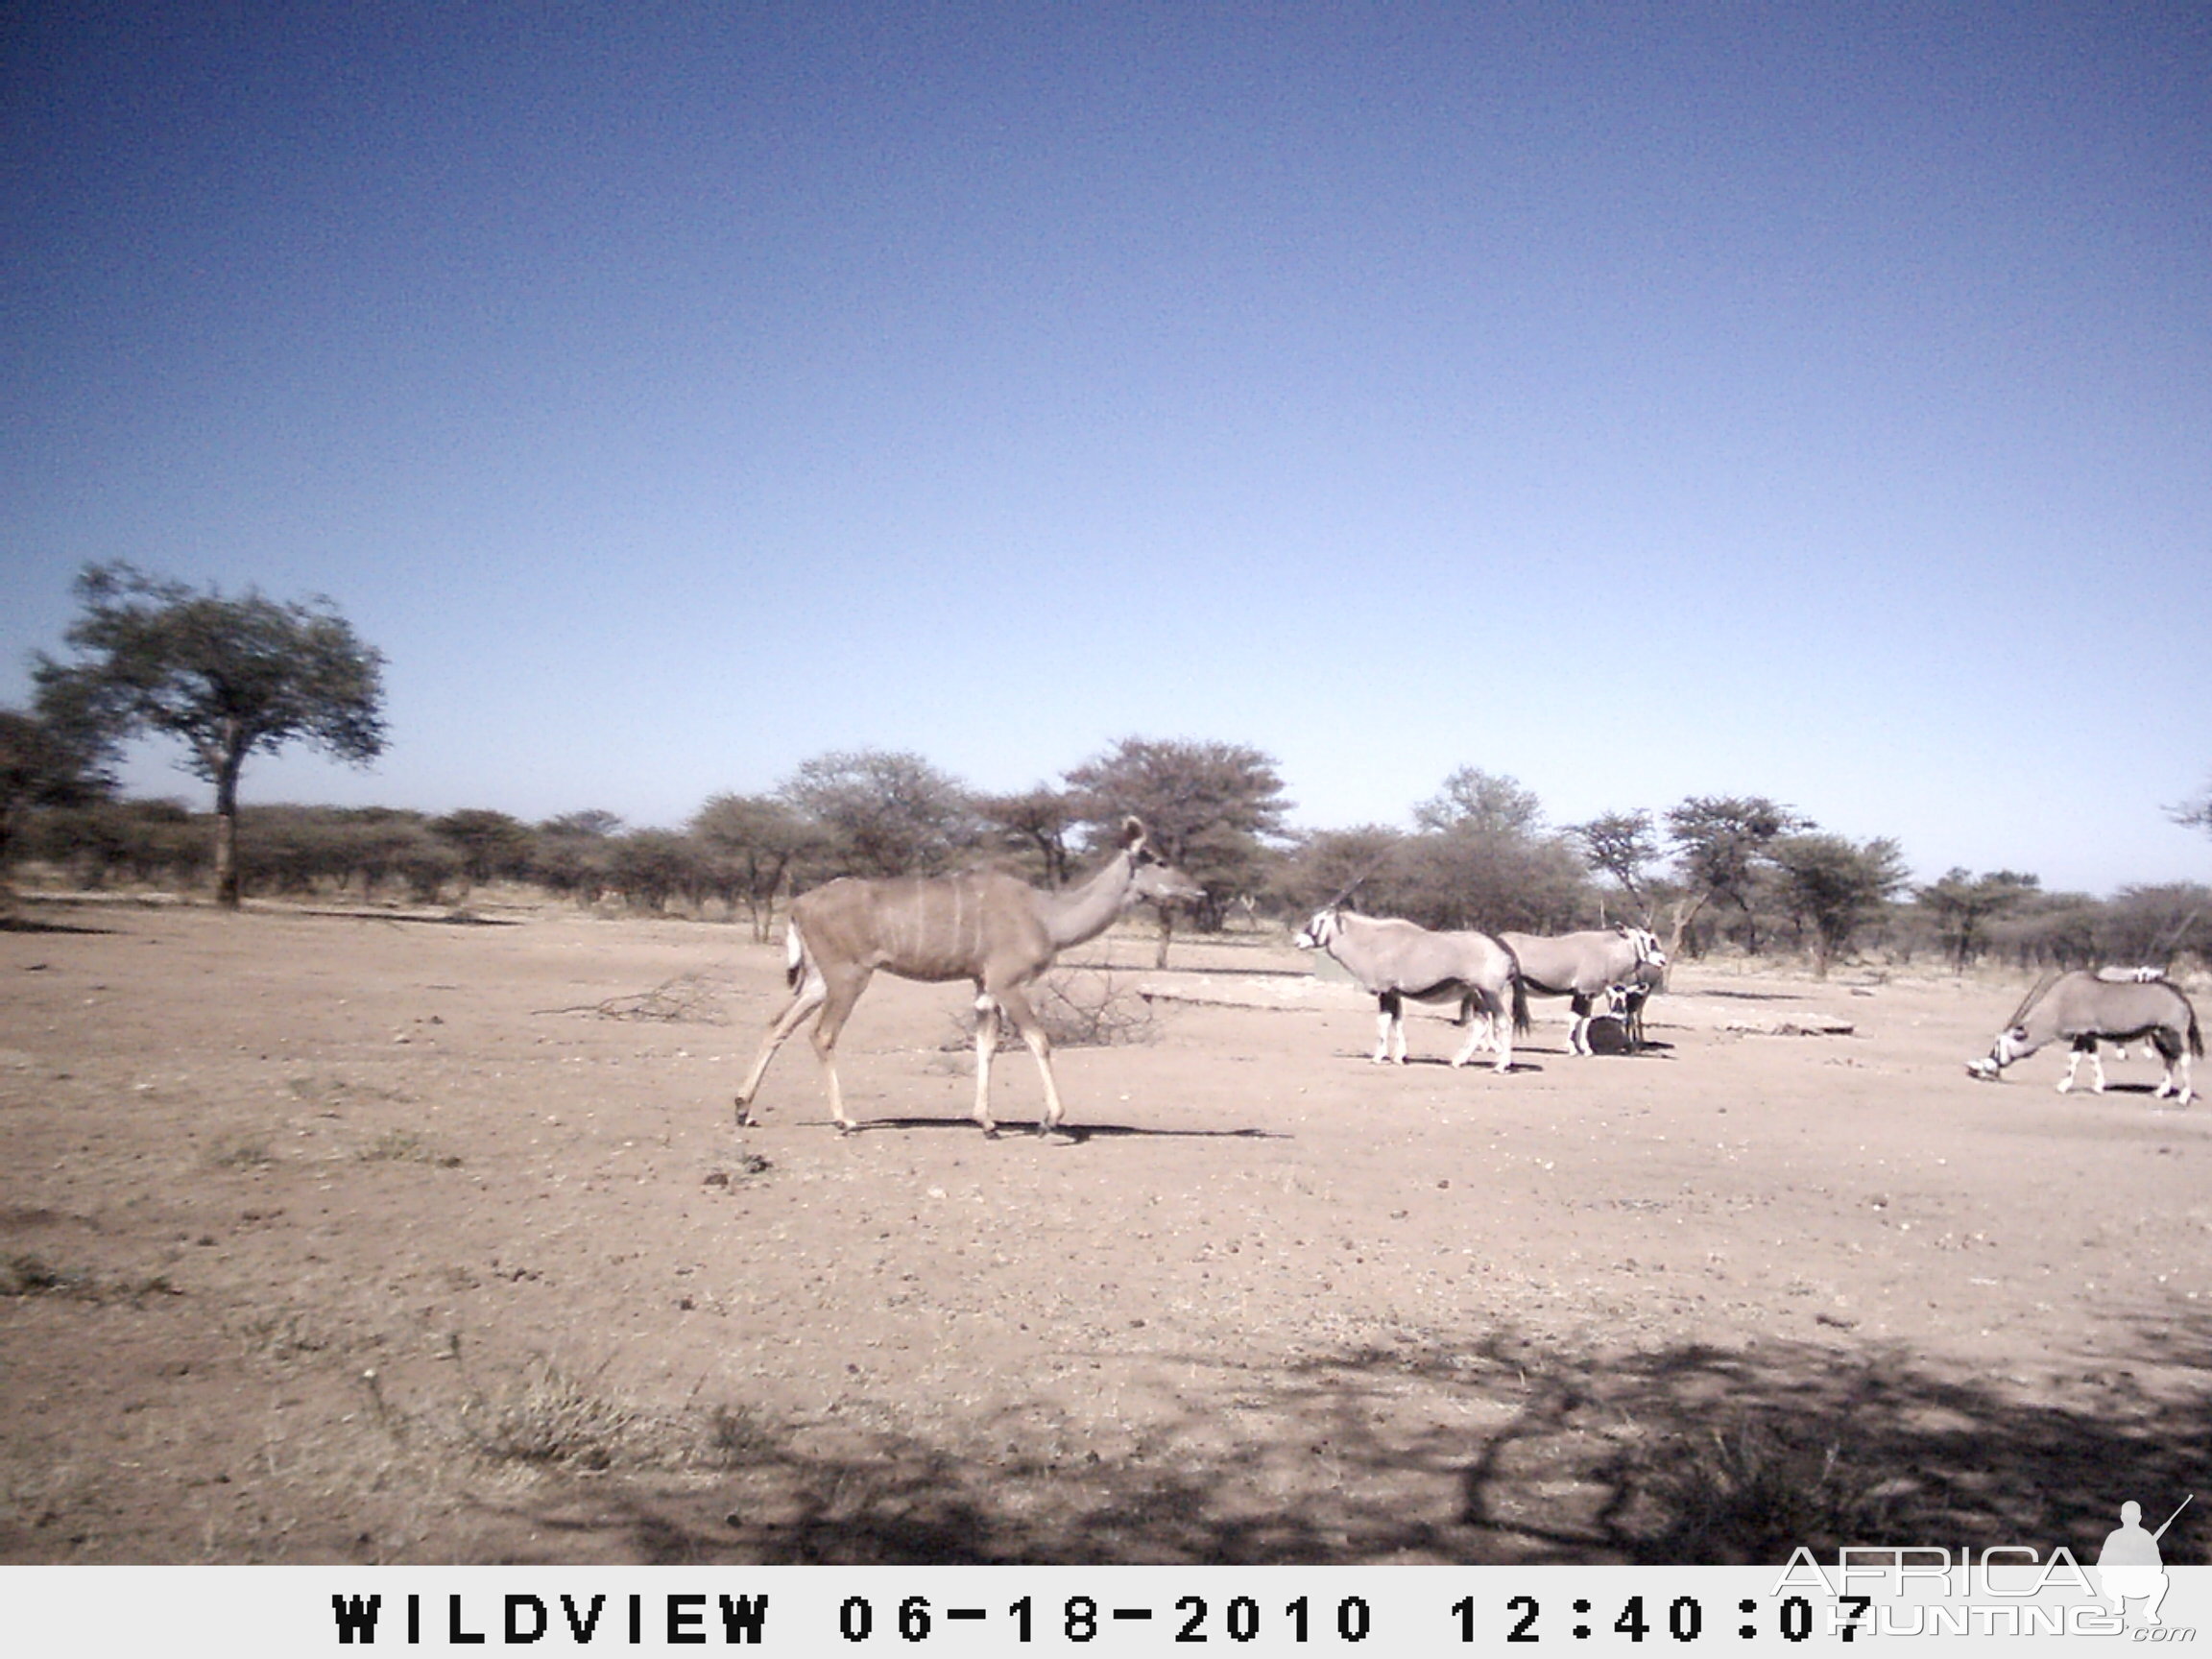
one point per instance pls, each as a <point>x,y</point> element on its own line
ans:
<point>1078,1133</point>
<point>1690,1454</point>
<point>451,919</point>
<point>41,924</point>
<point>1479,1063</point>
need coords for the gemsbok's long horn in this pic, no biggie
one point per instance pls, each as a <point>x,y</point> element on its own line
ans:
<point>2028,1002</point>
<point>2171,938</point>
<point>1358,882</point>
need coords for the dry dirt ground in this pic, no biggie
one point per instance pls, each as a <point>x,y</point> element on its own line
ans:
<point>329,1239</point>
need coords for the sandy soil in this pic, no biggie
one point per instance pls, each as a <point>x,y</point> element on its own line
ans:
<point>329,1239</point>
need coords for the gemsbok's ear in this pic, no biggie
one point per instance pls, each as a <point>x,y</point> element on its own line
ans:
<point>1132,832</point>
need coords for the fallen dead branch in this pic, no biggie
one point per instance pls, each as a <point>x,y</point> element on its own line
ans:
<point>1080,1008</point>
<point>694,999</point>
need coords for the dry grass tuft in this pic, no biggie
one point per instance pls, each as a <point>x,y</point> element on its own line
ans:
<point>404,1146</point>
<point>30,1275</point>
<point>245,1150</point>
<point>1746,1493</point>
<point>549,1419</point>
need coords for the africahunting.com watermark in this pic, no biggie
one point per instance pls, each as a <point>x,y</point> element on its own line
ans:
<point>2005,1590</point>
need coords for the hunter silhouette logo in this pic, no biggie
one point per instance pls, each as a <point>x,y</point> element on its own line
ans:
<point>2130,1566</point>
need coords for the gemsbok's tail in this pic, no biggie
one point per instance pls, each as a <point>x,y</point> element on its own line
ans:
<point>2195,1034</point>
<point>1520,1006</point>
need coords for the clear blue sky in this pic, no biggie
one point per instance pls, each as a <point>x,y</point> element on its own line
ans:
<point>1641,401</point>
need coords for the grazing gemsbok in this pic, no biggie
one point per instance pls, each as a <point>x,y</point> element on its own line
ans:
<point>1397,959</point>
<point>2085,1008</point>
<point>983,925</point>
<point>1583,965</point>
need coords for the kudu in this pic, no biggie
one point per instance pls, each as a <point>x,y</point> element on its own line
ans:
<point>1583,967</point>
<point>1395,960</point>
<point>2086,1008</point>
<point>982,926</point>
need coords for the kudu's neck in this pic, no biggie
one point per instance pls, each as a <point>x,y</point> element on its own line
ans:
<point>1085,912</point>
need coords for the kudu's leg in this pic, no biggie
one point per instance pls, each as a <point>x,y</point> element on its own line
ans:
<point>986,1045</point>
<point>812,992</point>
<point>836,1008</point>
<point>1018,1009</point>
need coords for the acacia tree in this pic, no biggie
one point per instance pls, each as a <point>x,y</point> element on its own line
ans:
<point>40,765</point>
<point>1038,822</point>
<point>1624,845</point>
<point>1963,907</point>
<point>1723,842</point>
<point>1486,859</point>
<point>1484,803</point>
<point>885,812</point>
<point>752,841</point>
<point>1209,808</point>
<point>489,844</point>
<point>571,855</point>
<point>1836,887</point>
<point>228,678</point>
<point>1356,866</point>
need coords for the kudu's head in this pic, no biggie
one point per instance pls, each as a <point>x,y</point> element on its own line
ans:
<point>1150,876</point>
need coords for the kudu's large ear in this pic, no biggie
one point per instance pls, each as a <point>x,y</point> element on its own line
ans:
<point>1132,833</point>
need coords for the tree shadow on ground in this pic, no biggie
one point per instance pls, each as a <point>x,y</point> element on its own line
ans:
<point>1067,1134</point>
<point>1691,1455</point>
<point>25,924</point>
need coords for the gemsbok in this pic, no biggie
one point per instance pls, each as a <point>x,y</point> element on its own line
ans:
<point>2086,1008</point>
<point>1582,967</point>
<point>983,925</point>
<point>1394,960</point>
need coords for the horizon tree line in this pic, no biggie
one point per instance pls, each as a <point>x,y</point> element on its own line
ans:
<point>230,678</point>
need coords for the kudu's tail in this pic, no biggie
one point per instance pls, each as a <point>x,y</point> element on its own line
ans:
<point>794,956</point>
